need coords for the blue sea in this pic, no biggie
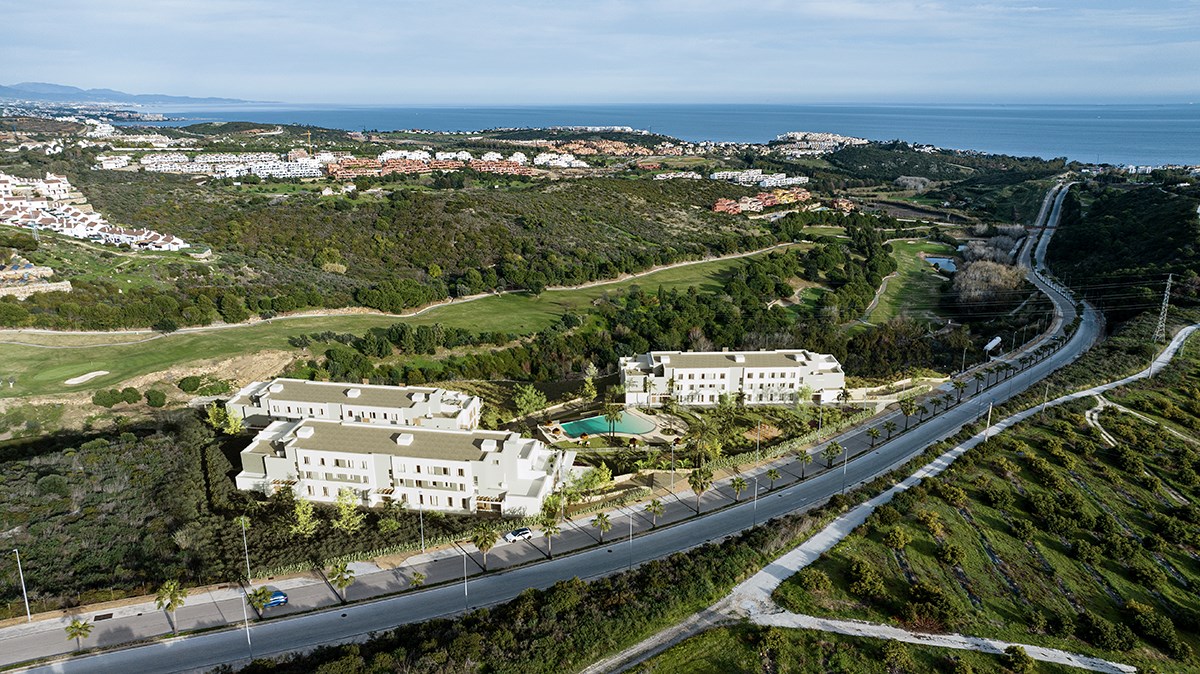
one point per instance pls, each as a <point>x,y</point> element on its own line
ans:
<point>1114,134</point>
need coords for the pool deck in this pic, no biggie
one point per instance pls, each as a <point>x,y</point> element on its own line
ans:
<point>553,433</point>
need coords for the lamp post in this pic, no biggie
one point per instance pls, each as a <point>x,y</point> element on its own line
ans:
<point>246,621</point>
<point>630,539</point>
<point>21,573</point>
<point>755,509</point>
<point>245,547</point>
<point>845,460</point>
<point>466,601</point>
<point>421,518</point>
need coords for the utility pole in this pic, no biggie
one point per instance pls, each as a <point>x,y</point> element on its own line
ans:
<point>25,594</point>
<point>987,428</point>
<point>1160,332</point>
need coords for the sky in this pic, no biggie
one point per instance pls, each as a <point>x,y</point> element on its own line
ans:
<point>512,52</point>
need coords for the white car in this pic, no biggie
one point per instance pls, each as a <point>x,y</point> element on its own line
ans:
<point>522,534</point>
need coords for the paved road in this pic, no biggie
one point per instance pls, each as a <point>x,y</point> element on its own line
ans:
<point>347,623</point>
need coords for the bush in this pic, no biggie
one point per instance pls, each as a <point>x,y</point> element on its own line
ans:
<point>1103,634</point>
<point>131,395</point>
<point>951,553</point>
<point>156,398</point>
<point>887,515</point>
<point>189,384</point>
<point>897,538</point>
<point>1023,530</point>
<point>814,580</point>
<point>1016,659</point>
<point>107,397</point>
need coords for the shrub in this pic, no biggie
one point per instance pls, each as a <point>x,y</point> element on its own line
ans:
<point>1023,530</point>
<point>1103,634</point>
<point>814,580</point>
<point>897,538</point>
<point>1016,659</point>
<point>189,384</point>
<point>131,395</point>
<point>887,515</point>
<point>866,581</point>
<point>156,398</point>
<point>951,553</point>
<point>54,484</point>
<point>107,397</point>
<point>1085,552</point>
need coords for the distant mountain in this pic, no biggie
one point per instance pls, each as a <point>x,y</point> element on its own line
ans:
<point>59,93</point>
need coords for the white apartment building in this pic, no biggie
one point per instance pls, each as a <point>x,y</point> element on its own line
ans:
<point>702,378</point>
<point>437,469</point>
<point>261,403</point>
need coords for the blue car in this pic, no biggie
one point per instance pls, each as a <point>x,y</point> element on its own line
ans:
<point>277,599</point>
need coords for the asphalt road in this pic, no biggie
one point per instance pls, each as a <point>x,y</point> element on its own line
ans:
<point>274,637</point>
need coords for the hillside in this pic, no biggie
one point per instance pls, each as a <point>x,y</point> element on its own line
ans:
<point>1063,531</point>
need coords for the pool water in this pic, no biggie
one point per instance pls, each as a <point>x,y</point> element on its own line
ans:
<point>633,425</point>
<point>942,263</point>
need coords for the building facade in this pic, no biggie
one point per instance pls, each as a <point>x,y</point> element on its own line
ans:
<point>261,403</point>
<point>452,470</point>
<point>756,377</point>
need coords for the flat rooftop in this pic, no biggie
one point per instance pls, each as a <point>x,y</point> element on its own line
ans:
<point>369,395</point>
<point>355,438</point>
<point>715,359</point>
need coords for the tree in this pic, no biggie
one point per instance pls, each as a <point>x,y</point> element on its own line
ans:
<point>908,407</point>
<point>349,518</point>
<point>550,529</point>
<point>613,413</point>
<point>258,599</point>
<point>937,404</point>
<point>484,538</point>
<point>951,553</point>
<point>233,423</point>
<point>700,479</point>
<point>341,576</point>
<point>603,523</point>
<point>739,485</point>
<point>804,458</point>
<point>418,579</point>
<point>831,452</point>
<point>897,538</point>
<point>874,434</point>
<point>170,598</point>
<point>216,416</point>
<point>772,475</point>
<point>979,379</point>
<point>656,509</point>
<point>528,400</point>
<point>78,630</point>
<point>305,521</point>
<point>706,438</point>
<point>588,391</point>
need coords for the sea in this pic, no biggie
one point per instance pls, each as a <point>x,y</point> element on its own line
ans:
<point>1112,134</point>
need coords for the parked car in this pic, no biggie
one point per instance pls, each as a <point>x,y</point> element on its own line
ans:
<point>278,598</point>
<point>522,534</point>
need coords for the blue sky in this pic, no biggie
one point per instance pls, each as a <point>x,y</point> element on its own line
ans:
<point>613,51</point>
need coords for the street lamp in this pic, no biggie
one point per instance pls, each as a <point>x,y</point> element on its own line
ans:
<point>466,601</point>
<point>755,501</point>
<point>21,573</point>
<point>421,518</point>
<point>845,460</point>
<point>242,520</point>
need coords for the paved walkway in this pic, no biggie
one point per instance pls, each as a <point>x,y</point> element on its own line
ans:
<point>752,599</point>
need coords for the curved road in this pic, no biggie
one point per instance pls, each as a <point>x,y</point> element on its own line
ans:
<point>349,623</point>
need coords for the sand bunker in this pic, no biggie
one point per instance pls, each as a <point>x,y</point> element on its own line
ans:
<point>85,377</point>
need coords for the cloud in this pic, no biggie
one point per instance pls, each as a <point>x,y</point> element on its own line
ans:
<point>579,51</point>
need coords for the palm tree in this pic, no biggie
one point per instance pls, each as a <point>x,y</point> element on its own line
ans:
<point>979,379</point>
<point>959,386</point>
<point>602,523</point>
<point>170,598</point>
<point>418,579</point>
<point>656,509</point>
<point>874,433</point>
<point>258,599</point>
<point>739,485</point>
<point>947,400</point>
<point>550,529</point>
<point>706,438</point>
<point>804,458</point>
<point>844,396</point>
<point>700,480</point>
<point>937,404</point>
<point>651,386</point>
<point>908,407</point>
<point>890,427</point>
<point>772,475</point>
<point>78,630</point>
<point>341,576</point>
<point>831,452</point>
<point>612,414</point>
<point>484,538</point>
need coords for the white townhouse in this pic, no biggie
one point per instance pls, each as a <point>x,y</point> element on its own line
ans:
<point>697,378</point>
<point>260,403</point>
<point>450,470</point>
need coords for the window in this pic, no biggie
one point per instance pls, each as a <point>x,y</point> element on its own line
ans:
<point>324,491</point>
<point>311,491</point>
<point>306,460</point>
<point>418,468</point>
<point>461,472</point>
<point>322,462</point>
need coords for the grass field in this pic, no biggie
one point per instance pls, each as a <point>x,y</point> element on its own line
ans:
<point>749,648</point>
<point>916,285</point>
<point>41,371</point>
<point>1050,522</point>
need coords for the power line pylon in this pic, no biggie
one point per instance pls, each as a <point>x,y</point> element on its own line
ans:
<point>1160,332</point>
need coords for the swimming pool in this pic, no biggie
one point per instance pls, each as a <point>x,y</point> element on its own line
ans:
<point>629,423</point>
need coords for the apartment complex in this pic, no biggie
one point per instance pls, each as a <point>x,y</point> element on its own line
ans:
<point>261,403</point>
<point>758,377</point>
<point>450,470</point>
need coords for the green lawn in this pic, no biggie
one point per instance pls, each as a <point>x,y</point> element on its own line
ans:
<point>915,288</point>
<point>42,371</point>
<point>749,648</point>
